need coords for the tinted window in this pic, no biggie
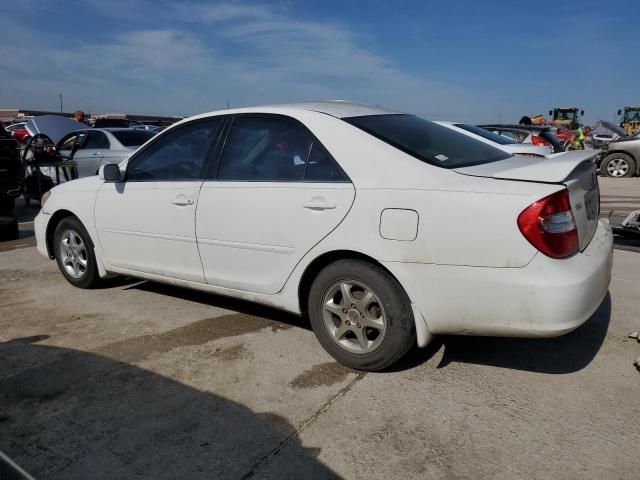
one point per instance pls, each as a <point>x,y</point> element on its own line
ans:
<point>428,141</point>
<point>481,132</point>
<point>132,138</point>
<point>97,140</point>
<point>321,167</point>
<point>265,149</point>
<point>177,155</point>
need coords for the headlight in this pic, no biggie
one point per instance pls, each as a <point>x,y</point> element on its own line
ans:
<point>45,197</point>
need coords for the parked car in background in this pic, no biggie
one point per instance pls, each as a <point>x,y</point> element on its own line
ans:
<point>93,147</point>
<point>563,134</point>
<point>533,134</point>
<point>19,132</point>
<point>384,227</point>
<point>620,157</point>
<point>11,178</point>
<point>498,141</point>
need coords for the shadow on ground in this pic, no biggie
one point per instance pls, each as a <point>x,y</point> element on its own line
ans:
<point>566,354</point>
<point>220,301</point>
<point>73,415</point>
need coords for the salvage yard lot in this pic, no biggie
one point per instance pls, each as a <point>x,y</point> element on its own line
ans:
<point>141,380</point>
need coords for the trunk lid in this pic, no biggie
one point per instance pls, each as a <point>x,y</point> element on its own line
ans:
<point>575,170</point>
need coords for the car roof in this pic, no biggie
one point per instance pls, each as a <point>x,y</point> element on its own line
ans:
<point>335,108</point>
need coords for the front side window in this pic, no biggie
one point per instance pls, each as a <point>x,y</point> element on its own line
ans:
<point>265,149</point>
<point>132,138</point>
<point>71,141</point>
<point>178,155</point>
<point>428,141</point>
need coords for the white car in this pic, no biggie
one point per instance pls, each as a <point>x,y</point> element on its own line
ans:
<point>498,141</point>
<point>385,228</point>
<point>94,147</point>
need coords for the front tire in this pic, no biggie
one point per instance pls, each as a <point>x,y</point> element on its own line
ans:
<point>74,253</point>
<point>618,165</point>
<point>361,315</point>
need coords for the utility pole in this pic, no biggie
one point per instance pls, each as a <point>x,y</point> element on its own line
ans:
<point>60,95</point>
<point>228,104</point>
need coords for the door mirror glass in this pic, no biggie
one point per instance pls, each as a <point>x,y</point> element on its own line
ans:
<point>110,172</point>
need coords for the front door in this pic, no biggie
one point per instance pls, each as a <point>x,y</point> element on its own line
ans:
<point>146,223</point>
<point>276,194</point>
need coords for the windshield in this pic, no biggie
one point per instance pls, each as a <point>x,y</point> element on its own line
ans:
<point>132,138</point>
<point>428,141</point>
<point>566,115</point>
<point>632,115</point>
<point>481,132</point>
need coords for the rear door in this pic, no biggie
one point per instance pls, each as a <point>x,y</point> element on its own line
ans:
<point>91,152</point>
<point>275,194</point>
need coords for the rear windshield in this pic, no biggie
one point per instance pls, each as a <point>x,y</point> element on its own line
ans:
<point>428,141</point>
<point>133,138</point>
<point>481,132</point>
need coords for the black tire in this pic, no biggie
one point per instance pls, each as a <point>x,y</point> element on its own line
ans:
<point>89,277</point>
<point>622,161</point>
<point>399,334</point>
<point>8,228</point>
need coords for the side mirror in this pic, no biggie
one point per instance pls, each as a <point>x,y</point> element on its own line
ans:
<point>619,112</point>
<point>582,113</point>
<point>551,113</point>
<point>110,173</point>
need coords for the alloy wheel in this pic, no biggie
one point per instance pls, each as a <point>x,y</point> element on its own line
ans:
<point>354,316</point>
<point>617,167</point>
<point>73,254</point>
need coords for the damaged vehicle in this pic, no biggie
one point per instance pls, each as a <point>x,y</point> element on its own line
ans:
<point>384,228</point>
<point>619,153</point>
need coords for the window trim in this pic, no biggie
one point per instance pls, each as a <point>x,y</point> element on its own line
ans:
<point>213,175</point>
<point>208,157</point>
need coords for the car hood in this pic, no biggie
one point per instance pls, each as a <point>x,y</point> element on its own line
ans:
<point>554,169</point>
<point>53,126</point>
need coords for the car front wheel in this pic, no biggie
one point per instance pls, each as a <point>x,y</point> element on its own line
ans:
<point>74,253</point>
<point>361,315</point>
<point>618,165</point>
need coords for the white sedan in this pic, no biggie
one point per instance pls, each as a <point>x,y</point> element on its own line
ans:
<point>497,140</point>
<point>383,227</point>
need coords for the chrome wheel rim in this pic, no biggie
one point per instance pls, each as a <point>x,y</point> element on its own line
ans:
<point>354,317</point>
<point>617,167</point>
<point>73,254</point>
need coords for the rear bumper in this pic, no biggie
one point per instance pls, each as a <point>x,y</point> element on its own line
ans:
<point>545,298</point>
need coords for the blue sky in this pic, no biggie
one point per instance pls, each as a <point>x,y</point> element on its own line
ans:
<point>456,60</point>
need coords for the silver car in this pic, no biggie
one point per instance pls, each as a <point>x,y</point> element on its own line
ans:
<point>93,147</point>
<point>621,158</point>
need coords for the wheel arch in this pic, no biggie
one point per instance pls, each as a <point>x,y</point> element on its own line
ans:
<point>56,218</point>
<point>320,262</point>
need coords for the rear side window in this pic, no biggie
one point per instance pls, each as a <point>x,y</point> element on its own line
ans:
<point>275,149</point>
<point>97,140</point>
<point>132,138</point>
<point>428,141</point>
<point>481,132</point>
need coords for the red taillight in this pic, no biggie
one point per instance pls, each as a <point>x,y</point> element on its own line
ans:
<point>550,226</point>
<point>539,141</point>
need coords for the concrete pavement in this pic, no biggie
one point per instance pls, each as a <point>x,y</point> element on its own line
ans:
<point>140,380</point>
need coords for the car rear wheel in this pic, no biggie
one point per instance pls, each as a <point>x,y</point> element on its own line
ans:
<point>618,165</point>
<point>361,315</point>
<point>74,254</point>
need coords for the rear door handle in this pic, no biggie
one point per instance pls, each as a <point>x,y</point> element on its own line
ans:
<point>182,200</point>
<point>319,203</point>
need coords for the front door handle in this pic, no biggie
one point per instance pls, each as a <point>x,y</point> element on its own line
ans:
<point>96,153</point>
<point>182,200</point>
<point>319,203</point>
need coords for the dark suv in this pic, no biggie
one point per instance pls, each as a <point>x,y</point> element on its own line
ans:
<point>11,177</point>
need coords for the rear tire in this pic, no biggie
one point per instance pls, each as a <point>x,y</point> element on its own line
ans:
<point>361,315</point>
<point>74,254</point>
<point>618,165</point>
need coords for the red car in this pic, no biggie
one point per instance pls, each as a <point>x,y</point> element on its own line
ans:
<point>562,133</point>
<point>18,132</point>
